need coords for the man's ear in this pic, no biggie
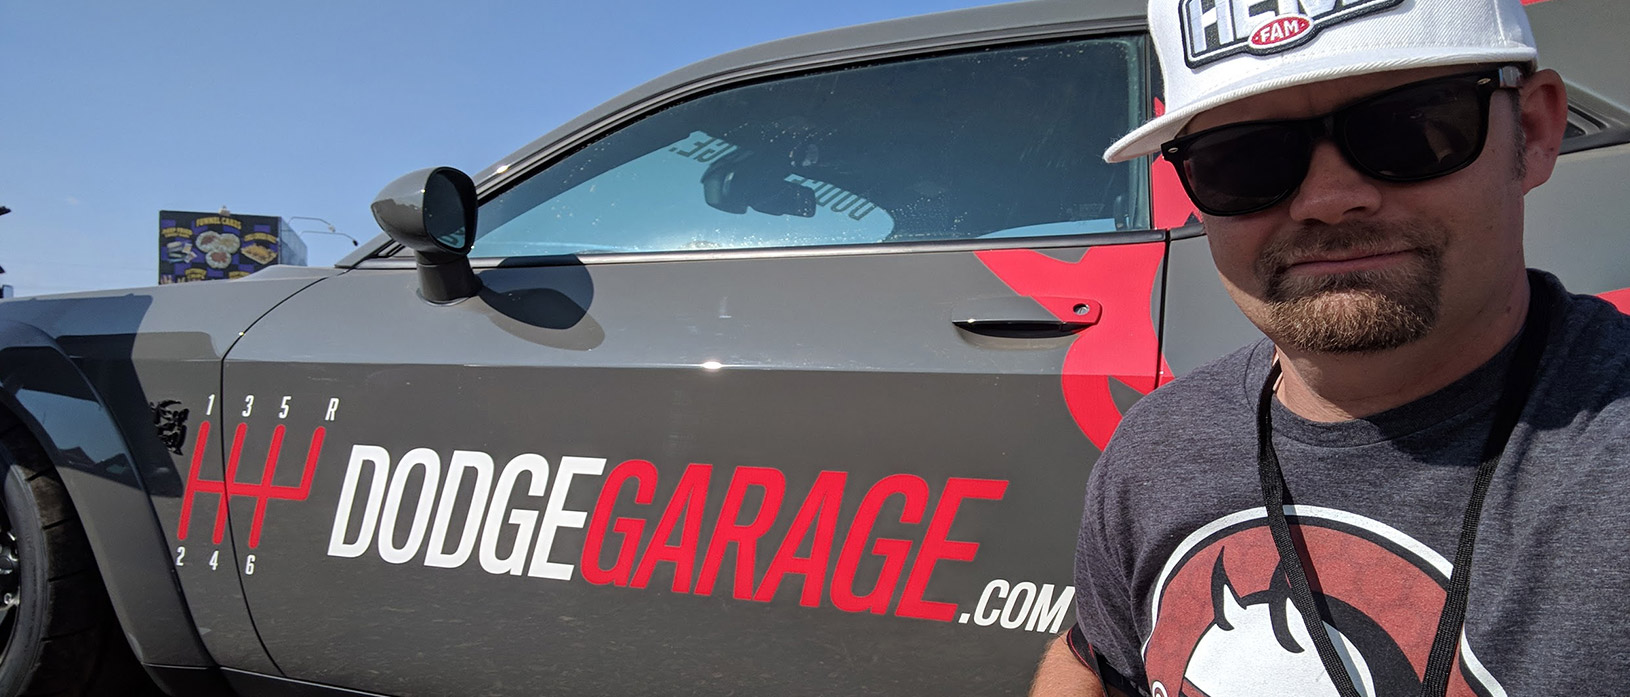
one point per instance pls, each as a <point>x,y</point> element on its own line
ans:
<point>1544,118</point>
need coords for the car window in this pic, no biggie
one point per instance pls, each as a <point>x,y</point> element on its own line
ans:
<point>1001,142</point>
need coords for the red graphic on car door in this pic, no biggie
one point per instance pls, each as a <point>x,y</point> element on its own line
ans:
<point>1620,299</point>
<point>1121,279</point>
<point>1170,203</point>
<point>1122,345</point>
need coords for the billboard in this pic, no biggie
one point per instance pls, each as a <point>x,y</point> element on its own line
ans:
<point>196,246</point>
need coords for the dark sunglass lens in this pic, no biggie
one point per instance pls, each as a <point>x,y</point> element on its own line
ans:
<point>1418,133</point>
<point>1245,168</point>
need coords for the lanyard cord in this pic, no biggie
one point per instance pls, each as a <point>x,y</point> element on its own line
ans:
<point>1520,379</point>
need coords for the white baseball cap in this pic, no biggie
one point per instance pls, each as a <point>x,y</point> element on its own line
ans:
<point>1213,52</point>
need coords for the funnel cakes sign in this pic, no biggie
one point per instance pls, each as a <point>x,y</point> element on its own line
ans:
<point>203,246</point>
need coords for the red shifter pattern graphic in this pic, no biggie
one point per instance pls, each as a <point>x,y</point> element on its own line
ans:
<point>1123,345</point>
<point>229,487</point>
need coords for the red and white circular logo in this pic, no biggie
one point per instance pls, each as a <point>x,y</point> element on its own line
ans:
<point>1225,626</point>
<point>1280,30</point>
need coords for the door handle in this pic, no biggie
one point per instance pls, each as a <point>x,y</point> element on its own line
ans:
<point>1024,317</point>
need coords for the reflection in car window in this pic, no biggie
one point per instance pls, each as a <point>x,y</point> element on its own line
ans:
<point>657,202</point>
<point>997,143</point>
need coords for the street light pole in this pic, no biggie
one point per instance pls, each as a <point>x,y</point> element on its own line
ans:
<point>331,230</point>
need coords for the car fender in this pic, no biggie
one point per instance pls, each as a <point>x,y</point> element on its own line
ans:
<point>55,401</point>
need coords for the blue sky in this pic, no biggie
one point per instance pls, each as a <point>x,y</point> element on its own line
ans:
<point>111,112</point>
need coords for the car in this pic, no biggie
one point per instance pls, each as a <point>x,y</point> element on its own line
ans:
<point>782,373</point>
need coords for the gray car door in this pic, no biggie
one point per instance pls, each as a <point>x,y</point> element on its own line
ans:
<point>791,386</point>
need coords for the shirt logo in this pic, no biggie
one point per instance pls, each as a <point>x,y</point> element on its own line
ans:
<point>1216,29</point>
<point>1224,624</point>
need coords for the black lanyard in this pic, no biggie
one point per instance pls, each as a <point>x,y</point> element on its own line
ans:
<point>1518,383</point>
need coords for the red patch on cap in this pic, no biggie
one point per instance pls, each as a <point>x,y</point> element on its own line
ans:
<point>1279,30</point>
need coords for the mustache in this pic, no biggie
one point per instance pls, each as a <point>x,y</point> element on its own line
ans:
<point>1359,238</point>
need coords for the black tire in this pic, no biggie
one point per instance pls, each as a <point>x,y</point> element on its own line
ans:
<point>59,633</point>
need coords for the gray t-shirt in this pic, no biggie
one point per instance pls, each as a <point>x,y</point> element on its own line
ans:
<point>1174,566</point>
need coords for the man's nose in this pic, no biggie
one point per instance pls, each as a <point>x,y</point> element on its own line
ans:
<point>1333,191</point>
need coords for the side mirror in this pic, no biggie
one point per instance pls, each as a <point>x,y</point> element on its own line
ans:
<point>432,212</point>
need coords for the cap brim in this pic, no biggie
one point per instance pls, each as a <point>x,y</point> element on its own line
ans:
<point>1148,138</point>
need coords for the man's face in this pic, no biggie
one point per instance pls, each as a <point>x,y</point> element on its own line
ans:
<point>1352,264</point>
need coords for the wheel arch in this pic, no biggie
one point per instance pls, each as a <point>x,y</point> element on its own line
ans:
<point>48,395</point>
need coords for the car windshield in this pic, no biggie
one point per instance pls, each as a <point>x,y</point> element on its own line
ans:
<point>1002,142</point>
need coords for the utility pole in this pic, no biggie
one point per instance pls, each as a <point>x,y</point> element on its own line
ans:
<point>5,289</point>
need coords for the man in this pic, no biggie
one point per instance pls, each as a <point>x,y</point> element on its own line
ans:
<point>1300,518</point>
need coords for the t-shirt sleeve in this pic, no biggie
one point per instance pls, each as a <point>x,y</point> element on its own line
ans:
<point>1103,596</point>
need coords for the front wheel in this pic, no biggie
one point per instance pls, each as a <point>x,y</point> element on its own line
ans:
<point>58,630</point>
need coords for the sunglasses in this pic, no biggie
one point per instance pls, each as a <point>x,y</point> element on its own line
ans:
<point>1411,133</point>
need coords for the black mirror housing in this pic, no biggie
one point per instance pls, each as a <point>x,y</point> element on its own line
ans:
<point>433,212</point>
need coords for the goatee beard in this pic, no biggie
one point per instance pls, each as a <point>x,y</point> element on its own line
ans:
<point>1361,311</point>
